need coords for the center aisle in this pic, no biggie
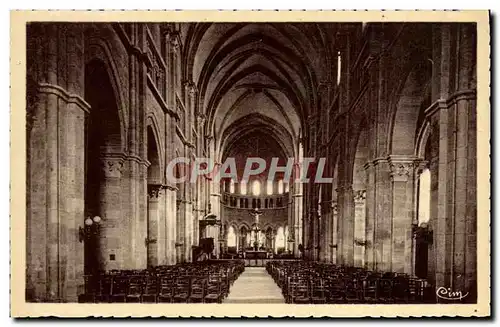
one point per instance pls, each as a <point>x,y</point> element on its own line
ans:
<point>255,285</point>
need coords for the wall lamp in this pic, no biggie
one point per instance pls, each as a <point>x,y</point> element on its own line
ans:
<point>91,228</point>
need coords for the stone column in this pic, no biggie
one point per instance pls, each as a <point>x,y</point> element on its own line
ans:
<point>135,171</point>
<point>188,232</point>
<point>162,227</point>
<point>297,222</point>
<point>359,227</point>
<point>346,216</point>
<point>326,231</point>
<point>111,244</point>
<point>134,212</point>
<point>55,163</point>
<point>463,274</point>
<point>402,169</point>
<point>154,224</point>
<point>215,198</point>
<point>334,240</point>
<point>370,217</point>
<point>383,216</point>
<point>170,199</point>
<point>181,226</point>
<point>290,222</point>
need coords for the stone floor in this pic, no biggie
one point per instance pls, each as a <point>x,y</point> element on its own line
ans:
<point>255,285</point>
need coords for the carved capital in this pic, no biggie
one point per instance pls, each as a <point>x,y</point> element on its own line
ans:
<point>112,166</point>
<point>154,190</point>
<point>190,88</point>
<point>335,208</point>
<point>174,42</point>
<point>359,196</point>
<point>201,118</point>
<point>401,169</point>
<point>420,166</point>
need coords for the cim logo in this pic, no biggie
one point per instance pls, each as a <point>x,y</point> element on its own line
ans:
<point>448,294</point>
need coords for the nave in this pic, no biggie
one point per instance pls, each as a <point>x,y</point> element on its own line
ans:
<point>280,281</point>
<point>119,113</point>
<point>255,285</point>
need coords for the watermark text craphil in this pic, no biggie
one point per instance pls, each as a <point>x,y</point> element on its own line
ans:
<point>183,170</point>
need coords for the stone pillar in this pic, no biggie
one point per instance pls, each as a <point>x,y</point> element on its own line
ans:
<point>215,199</point>
<point>346,217</point>
<point>111,245</point>
<point>153,243</point>
<point>290,222</point>
<point>162,227</point>
<point>370,217</point>
<point>463,274</point>
<point>188,232</point>
<point>134,212</point>
<point>383,217</point>
<point>55,195</point>
<point>326,231</point>
<point>181,226</point>
<point>297,219</point>
<point>334,240</point>
<point>170,200</point>
<point>359,227</point>
<point>55,163</point>
<point>134,176</point>
<point>402,170</point>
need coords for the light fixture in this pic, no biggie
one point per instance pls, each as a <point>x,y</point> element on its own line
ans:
<point>91,228</point>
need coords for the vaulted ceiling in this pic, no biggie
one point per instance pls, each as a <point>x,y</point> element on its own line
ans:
<point>258,76</point>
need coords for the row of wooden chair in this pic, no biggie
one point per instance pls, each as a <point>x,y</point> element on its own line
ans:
<point>310,282</point>
<point>183,283</point>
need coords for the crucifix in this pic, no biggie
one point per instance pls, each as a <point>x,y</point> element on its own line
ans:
<point>256,213</point>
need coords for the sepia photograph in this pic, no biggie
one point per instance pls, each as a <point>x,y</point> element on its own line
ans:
<point>175,165</point>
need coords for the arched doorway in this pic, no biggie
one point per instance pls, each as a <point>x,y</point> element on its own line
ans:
<point>243,238</point>
<point>103,167</point>
<point>279,245</point>
<point>232,240</point>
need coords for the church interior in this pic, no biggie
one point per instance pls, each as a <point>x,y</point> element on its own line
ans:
<point>390,106</point>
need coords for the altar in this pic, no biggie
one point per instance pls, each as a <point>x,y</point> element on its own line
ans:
<point>252,254</point>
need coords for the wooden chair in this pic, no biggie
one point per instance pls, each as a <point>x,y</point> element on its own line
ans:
<point>198,288</point>
<point>336,292</point>
<point>134,294</point>
<point>370,286</point>
<point>385,288</point>
<point>214,294</point>
<point>150,292</point>
<point>318,293</point>
<point>181,290</point>
<point>165,293</point>
<point>300,293</point>
<point>105,289</point>
<point>353,291</point>
<point>120,287</point>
